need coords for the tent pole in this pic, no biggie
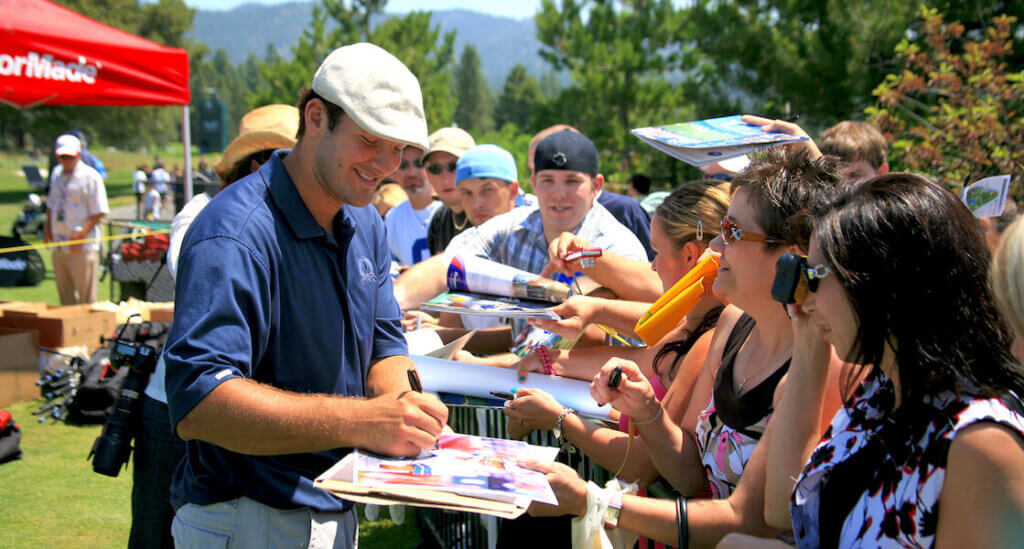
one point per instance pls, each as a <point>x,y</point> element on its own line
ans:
<point>186,140</point>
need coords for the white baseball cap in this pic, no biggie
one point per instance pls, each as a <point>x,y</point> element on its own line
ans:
<point>377,90</point>
<point>68,145</point>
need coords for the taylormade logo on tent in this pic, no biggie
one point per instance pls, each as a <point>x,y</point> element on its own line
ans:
<point>44,67</point>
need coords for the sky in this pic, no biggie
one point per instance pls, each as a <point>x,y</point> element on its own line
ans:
<point>517,9</point>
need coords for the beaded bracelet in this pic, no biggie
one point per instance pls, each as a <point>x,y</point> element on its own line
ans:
<point>545,360</point>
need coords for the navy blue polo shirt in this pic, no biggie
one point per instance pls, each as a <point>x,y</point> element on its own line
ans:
<point>263,292</point>
<point>630,213</point>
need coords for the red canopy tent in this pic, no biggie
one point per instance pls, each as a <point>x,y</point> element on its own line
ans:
<point>50,55</point>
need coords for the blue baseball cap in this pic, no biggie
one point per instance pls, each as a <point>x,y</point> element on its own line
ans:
<point>486,161</point>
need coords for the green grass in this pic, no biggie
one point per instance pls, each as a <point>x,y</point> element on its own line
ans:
<point>52,498</point>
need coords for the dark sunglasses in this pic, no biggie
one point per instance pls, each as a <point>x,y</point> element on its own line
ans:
<point>731,232</point>
<point>436,169</point>
<point>418,163</point>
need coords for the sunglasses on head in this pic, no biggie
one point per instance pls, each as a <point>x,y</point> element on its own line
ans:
<point>436,169</point>
<point>731,232</point>
<point>418,163</point>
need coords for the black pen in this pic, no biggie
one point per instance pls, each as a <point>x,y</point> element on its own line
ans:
<point>414,380</point>
<point>615,378</point>
<point>793,118</point>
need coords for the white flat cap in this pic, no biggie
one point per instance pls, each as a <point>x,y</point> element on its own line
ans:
<point>377,90</point>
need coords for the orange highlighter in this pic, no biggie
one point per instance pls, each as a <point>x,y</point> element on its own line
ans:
<point>670,308</point>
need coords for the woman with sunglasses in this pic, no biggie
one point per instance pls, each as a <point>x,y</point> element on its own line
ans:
<point>930,448</point>
<point>717,446</point>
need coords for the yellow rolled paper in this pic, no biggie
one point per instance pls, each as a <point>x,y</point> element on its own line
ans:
<point>671,307</point>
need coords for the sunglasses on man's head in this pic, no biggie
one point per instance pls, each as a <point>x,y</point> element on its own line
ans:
<point>436,169</point>
<point>731,232</point>
<point>418,163</point>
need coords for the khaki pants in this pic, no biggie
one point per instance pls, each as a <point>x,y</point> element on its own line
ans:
<point>244,523</point>
<point>77,275</point>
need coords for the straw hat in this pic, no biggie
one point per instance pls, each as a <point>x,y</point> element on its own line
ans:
<point>268,127</point>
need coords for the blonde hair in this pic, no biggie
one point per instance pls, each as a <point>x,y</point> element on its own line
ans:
<point>1007,275</point>
<point>386,196</point>
<point>703,202</point>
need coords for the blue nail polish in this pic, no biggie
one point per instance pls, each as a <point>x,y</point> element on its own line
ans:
<point>516,389</point>
<point>522,379</point>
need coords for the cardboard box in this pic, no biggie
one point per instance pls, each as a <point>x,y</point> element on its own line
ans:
<point>19,349</point>
<point>64,326</point>
<point>18,386</point>
<point>161,313</point>
<point>21,306</point>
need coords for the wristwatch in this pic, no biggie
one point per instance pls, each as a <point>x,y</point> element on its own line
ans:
<point>563,443</point>
<point>613,511</point>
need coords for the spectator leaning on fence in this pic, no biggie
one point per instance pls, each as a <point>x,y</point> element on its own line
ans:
<point>76,204</point>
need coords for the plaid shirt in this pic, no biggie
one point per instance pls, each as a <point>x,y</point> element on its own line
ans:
<point>516,238</point>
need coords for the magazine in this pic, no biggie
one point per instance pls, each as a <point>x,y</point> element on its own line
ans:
<point>483,287</point>
<point>471,304</point>
<point>708,141</point>
<point>987,197</point>
<point>462,472</point>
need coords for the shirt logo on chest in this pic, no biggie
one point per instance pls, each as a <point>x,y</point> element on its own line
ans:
<point>366,273</point>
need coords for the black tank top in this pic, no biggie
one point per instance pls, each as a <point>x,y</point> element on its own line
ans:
<point>742,411</point>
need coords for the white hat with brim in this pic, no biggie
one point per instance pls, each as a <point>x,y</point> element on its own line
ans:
<point>68,145</point>
<point>377,90</point>
<point>268,127</point>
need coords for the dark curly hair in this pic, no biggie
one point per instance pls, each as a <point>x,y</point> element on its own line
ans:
<point>780,184</point>
<point>914,263</point>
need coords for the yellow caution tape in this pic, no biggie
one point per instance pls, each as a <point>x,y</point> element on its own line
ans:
<point>80,241</point>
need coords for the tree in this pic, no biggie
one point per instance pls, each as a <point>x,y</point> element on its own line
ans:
<point>473,111</point>
<point>519,98</point>
<point>953,107</point>
<point>618,57</point>
<point>411,38</point>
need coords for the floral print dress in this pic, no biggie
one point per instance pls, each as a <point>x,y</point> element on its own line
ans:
<point>876,476</point>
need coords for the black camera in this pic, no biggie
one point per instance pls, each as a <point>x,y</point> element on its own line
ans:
<point>111,450</point>
<point>790,284</point>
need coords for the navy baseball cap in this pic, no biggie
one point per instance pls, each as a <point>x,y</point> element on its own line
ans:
<point>566,150</point>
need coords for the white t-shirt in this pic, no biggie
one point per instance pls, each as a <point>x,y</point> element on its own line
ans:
<point>407,232</point>
<point>73,200</point>
<point>160,179</point>
<point>139,178</point>
<point>152,207</point>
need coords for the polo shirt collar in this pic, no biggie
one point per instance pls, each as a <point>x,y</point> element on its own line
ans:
<point>287,199</point>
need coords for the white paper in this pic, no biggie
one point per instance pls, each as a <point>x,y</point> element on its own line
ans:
<point>447,376</point>
<point>423,341</point>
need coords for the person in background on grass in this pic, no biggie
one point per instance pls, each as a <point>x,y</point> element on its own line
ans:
<point>140,178</point>
<point>638,186</point>
<point>76,204</point>
<point>157,450</point>
<point>286,350</point>
<point>151,211</point>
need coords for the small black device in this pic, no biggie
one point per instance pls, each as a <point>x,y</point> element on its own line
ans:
<point>615,378</point>
<point>790,284</point>
<point>111,450</point>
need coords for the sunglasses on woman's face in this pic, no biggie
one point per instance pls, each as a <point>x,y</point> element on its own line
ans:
<point>815,274</point>
<point>418,163</point>
<point>436,169</point>
<point>731,232</point>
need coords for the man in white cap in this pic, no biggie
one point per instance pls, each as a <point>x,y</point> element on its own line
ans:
<point>286,350</point>
<point>76,204</point>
